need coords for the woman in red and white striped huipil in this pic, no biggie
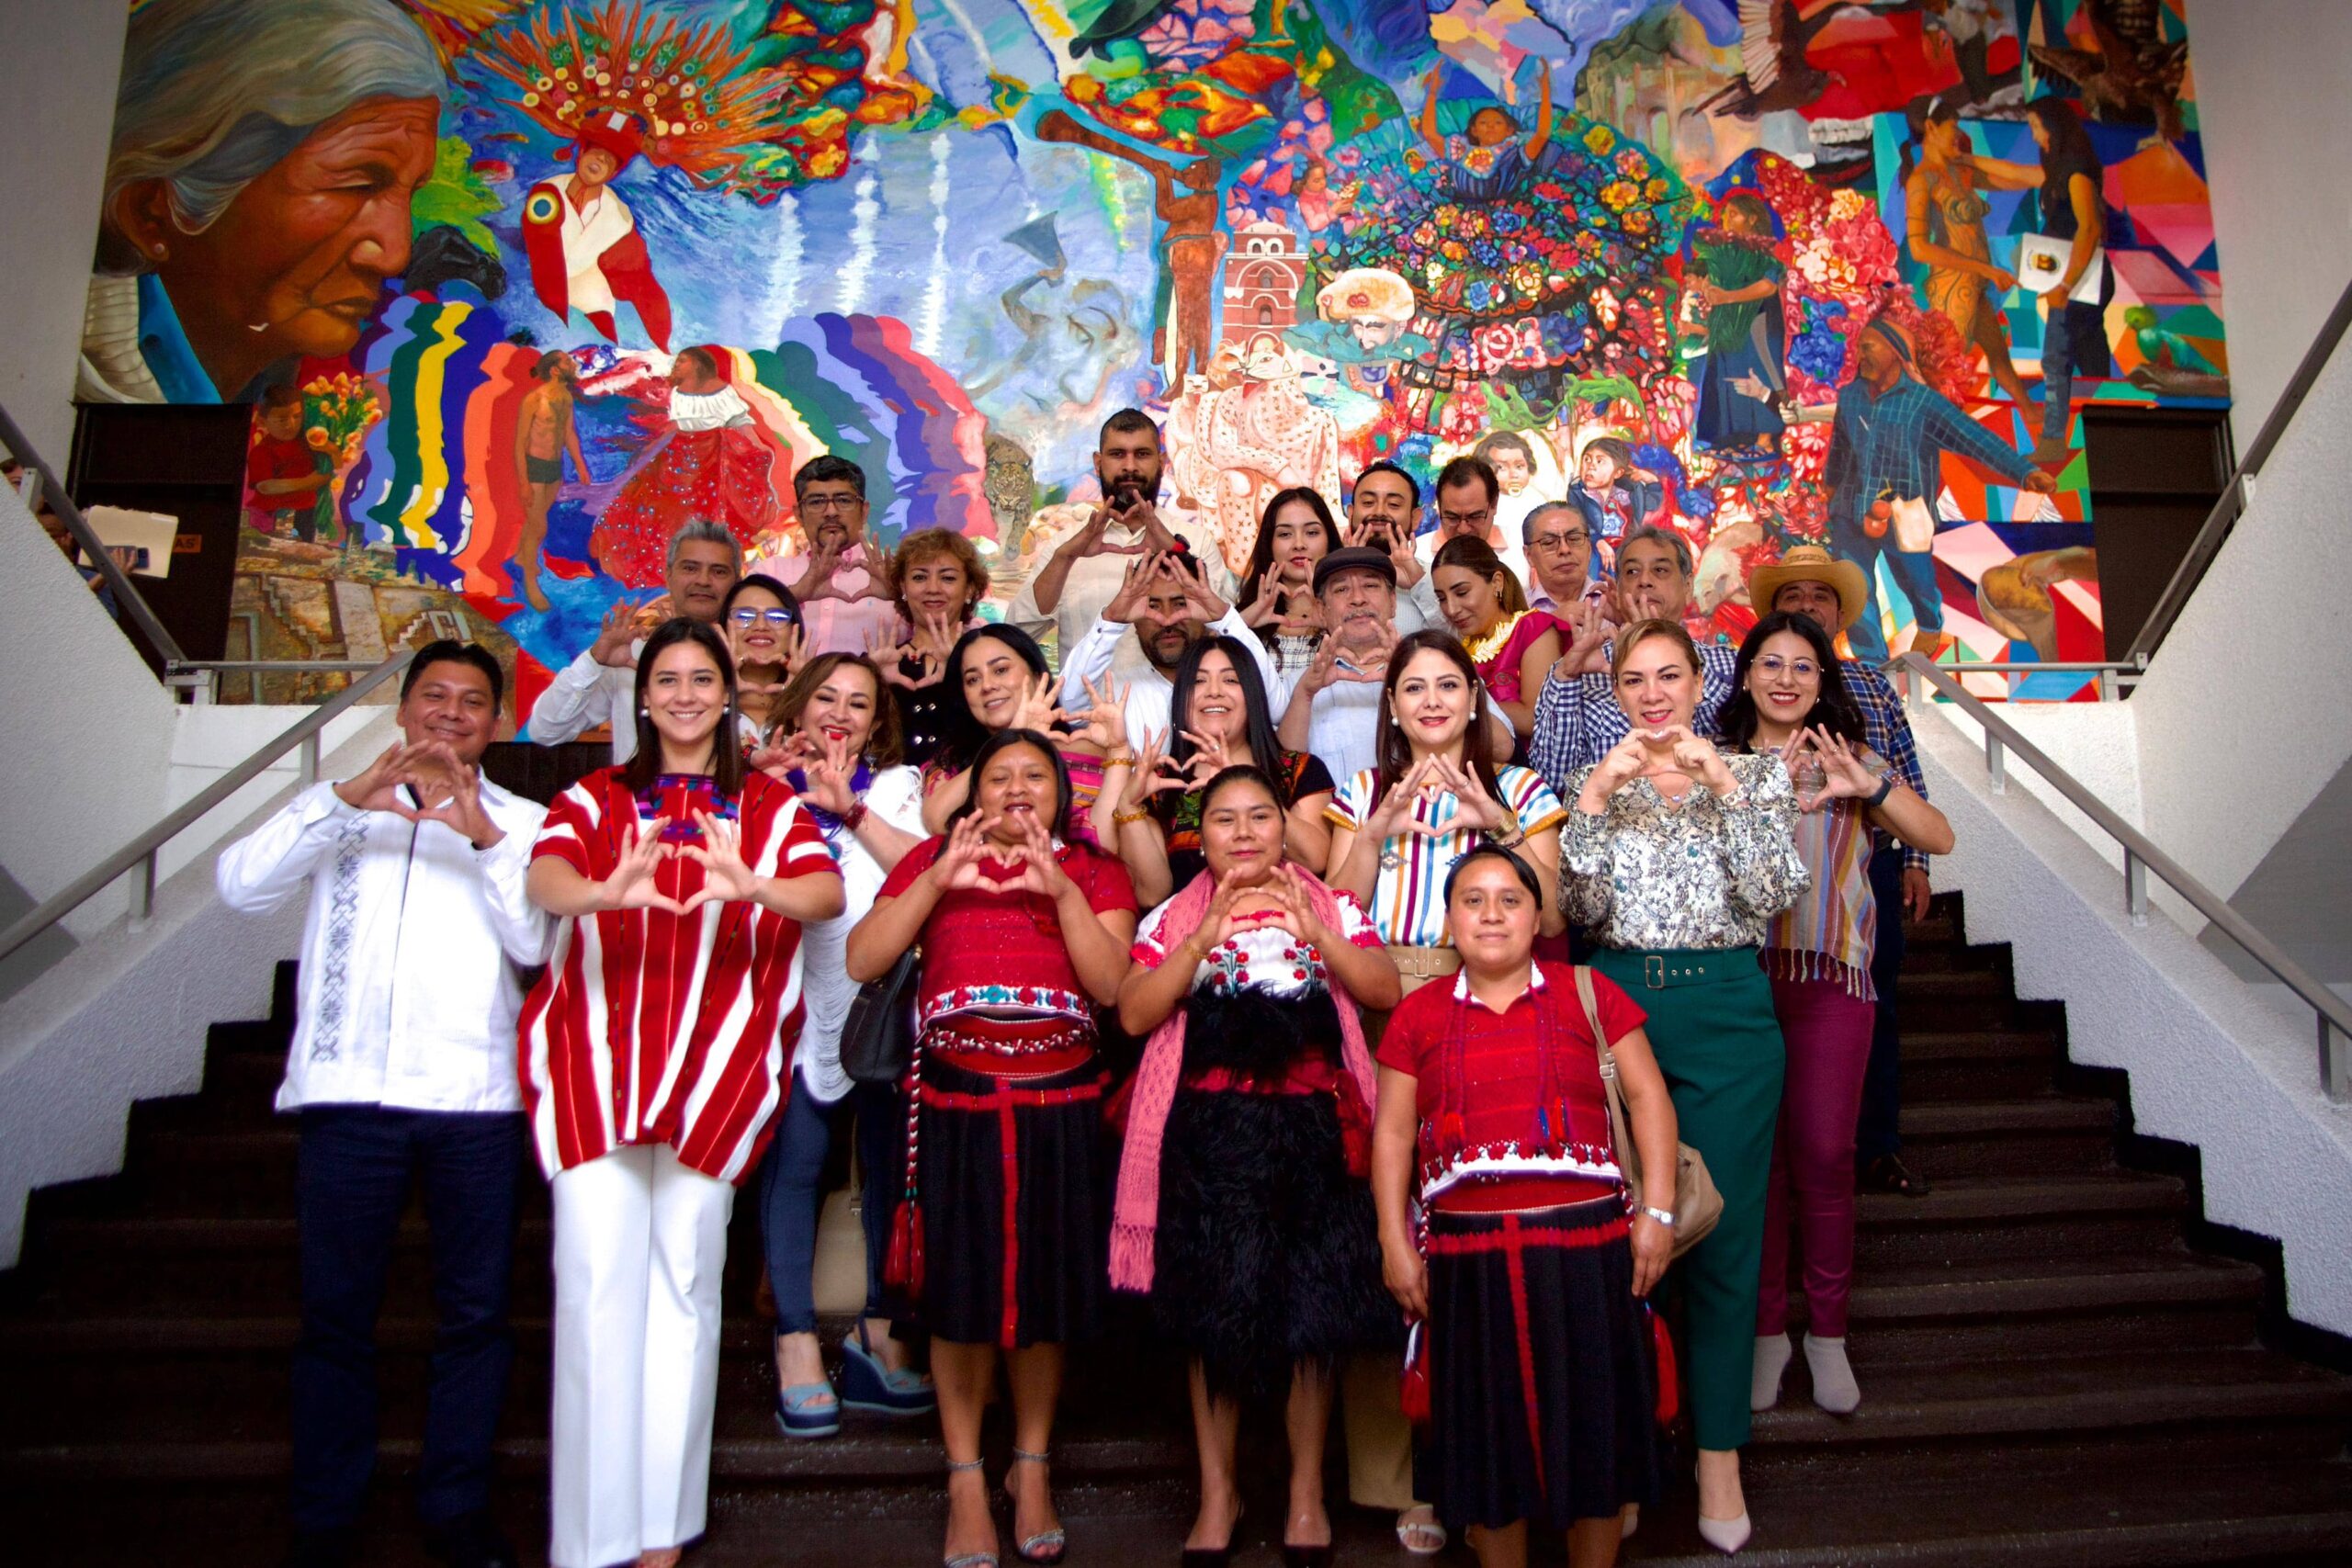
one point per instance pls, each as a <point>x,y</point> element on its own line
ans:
<point>653,1057</point>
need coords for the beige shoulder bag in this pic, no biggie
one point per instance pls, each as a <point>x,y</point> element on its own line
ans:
<point>1696,1203</point>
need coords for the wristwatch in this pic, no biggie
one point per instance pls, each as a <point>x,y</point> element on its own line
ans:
<point>1885,789</point>
<point>1663,1216</point>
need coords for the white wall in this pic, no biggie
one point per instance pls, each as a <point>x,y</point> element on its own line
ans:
<point>63,58</point>
<point>2270,84</point>
<point>2212,1063</point>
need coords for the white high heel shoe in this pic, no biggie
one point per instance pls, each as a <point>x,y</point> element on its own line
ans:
<point>1726,1536</point>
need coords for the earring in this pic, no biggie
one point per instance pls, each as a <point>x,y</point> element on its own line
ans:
<point>161,249</point>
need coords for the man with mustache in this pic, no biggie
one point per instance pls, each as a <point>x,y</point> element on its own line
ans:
<point>1577,718</point>
<point>1382,512</point>
<point>843,585</point>
<point>1171,608</point>
<point>1086,571</point>
<point>600,686</point>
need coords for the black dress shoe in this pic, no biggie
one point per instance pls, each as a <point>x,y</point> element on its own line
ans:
<point>322,1549</point>
<point>470,1540</point>
<point>1889,1174</point>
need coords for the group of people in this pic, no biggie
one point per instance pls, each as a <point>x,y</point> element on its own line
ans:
<point>1342,960</point>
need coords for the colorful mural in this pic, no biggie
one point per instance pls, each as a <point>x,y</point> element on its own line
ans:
<point>1765,271</point>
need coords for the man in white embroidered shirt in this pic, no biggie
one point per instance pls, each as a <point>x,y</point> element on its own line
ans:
<point>1170,608</point>
<point>402,1068</point>
<point>600,686</point>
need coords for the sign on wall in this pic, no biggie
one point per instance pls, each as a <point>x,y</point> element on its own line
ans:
<point>1767,272</point>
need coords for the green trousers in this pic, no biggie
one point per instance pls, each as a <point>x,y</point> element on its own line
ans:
<point>1712,1029</point>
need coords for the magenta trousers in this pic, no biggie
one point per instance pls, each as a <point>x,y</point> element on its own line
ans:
<point>1811,1185</point>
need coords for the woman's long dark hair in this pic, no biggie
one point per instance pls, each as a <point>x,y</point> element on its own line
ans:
<point>1397,752</point>
<point>961,733</point>
<point>725,756</point>
<point>1478,557</point>
<point>1258,725</point>
<point>2070,152</point>
<point>1833,710</point>
<point>761,579</point>
<point>1004,740</point>
<point>1261,554</point>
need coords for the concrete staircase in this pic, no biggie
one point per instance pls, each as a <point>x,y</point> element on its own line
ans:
<point>2051,1374</point>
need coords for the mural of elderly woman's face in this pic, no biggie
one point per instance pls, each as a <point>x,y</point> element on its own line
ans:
<point>296,263</point>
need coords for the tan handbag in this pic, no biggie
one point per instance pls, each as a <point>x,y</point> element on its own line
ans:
<point>1696,1204</point>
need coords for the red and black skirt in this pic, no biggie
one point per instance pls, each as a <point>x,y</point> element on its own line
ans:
<point>1011,1180</point>
<point>1542,1386</point>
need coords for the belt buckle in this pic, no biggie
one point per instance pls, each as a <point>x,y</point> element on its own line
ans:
<point>1653,971</point>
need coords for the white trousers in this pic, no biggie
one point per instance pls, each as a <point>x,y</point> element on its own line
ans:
<point>639,1243</point>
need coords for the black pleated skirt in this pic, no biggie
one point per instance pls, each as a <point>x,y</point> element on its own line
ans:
<point>1541,1384</point>
<point>1049,1247</point>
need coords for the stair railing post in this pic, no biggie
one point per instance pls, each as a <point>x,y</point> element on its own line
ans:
<point>2335,1070</point>
<point>306,769</point>
<point>2106,685</point>
<point>142,891</point>
<point>1995,771</point>
<point>2135,887</point>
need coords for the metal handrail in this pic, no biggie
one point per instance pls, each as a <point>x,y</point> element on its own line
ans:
<point>139,856</point>
<point>2239,488</point>
<point>2140,857</point>
<point>127,598</point>
<point>2114,674</point>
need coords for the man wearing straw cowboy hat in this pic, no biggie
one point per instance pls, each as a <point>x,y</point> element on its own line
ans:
<point>1833,595</point>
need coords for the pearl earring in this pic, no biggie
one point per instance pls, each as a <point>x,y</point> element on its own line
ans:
<point>161,249</point>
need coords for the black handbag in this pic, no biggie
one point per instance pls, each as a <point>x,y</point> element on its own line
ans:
<point>878,1036</point>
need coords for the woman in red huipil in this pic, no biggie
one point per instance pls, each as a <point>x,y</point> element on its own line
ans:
<point>1001,1240</point>
<point>653,1059</point>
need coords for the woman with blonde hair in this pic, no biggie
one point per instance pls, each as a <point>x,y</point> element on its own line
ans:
<point>937,581</point>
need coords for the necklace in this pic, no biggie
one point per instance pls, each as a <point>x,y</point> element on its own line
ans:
<point>1482,649</point>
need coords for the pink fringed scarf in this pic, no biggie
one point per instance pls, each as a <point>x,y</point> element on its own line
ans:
<point>1136,1218</point>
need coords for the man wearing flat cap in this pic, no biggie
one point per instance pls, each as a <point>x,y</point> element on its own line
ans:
<point>1886,463</point>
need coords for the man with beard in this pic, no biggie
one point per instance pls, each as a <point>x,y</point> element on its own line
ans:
<point>600,686</point>
<point>1089,569</point>
<point>1577,718</point>
<point>843,585</point>
<point>1382,512</point>
<point>1162,596</point>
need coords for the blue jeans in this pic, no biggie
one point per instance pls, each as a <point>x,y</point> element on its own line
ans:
<point>1879,1130</point>
<point>1913,573</point>
<point>352,1181</point>
<point>792,1191</point>
<point>2073,340</point>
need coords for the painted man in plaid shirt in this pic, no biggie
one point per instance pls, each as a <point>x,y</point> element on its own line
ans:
<point>1888,443</point>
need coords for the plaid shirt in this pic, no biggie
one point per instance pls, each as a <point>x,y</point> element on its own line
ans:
<point>1577,721</point>
<point>1897,440</point>
<point>1886,729</point>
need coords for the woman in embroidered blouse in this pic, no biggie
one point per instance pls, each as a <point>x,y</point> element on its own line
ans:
<point>1512,646</point>
<point>1677,858</point>
<point>1530,1261</point>
<point>996,681</point>
<point>837,746</point>
<point>1023,935</point>
<point>1150,807</point>
<point>1248,1218</point>
<point>648,1110</point>
<point>761,620</point>
<point>1789,697</point>
<point>1278,590</point>
<point>1397,830</point>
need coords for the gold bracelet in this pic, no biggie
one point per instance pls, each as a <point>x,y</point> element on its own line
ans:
<point>1119,760</point>
<point>1121,818</point>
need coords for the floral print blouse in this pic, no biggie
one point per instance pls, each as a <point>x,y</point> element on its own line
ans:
<point>1708,872</point>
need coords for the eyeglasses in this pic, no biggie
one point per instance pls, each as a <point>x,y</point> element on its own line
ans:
<point>1575,541</point>
<point>831,502</point>
<point>1803,669</point>
<point>779,617</point>
<point>1467,519</point>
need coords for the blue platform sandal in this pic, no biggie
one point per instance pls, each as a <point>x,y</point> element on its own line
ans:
<point>867,1384</point>
<point>808,1409</point>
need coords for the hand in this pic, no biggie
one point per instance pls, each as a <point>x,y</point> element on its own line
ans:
<point>875,561</point>
<point>1710,295</point>
<point>1262,604</point>
<point>1400,553</point>
<point>1041,871</point>
<point>1406,1275</point>
<point>1587,630</point>
<point>1916,891</point>
<point>1105,722</point>
<point>891,659</point>
<point>1133,587</point>
<point>1089,540</point>
<point>615,638</point>
<point>1395,808</point>
<point>1302,615</point>
<point>829,778</point>
<point>936,633</point>
<point>1210,757</point>
<point>2004,279</point>
<point>2055,298</point>
<point>459,809</point>
<point>1625,762</point>
<point>725,877</point>
<point>958,866</point>
<point>1322,669</point>
<point>779,754</point>
<point>1144,517</point>
<point>1842,774</point>
<point>1473,806</point>
<point>1653,1250</point>
<point>1217,924</point>
<point>1198,594</point>
<point>817,578</point>
<point>1038,710</point>
<point>377,786</point>
<point>630,886</point>
<point>1287,888</point>
<point>1153,773</point>
<point>2041,481</point>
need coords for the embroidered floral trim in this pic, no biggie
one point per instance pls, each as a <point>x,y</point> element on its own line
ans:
<point>1485,1161</point>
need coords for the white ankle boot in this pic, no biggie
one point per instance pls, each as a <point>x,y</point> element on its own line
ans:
<point>1773,1352</point>
<point>1834,1388</point>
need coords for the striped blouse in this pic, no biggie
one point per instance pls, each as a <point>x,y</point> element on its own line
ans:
<point>1409,900</point>
<point>654,1028</point>
<point>1831,931</point>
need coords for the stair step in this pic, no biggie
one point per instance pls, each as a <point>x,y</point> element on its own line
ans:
<point>2039,1135</point>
